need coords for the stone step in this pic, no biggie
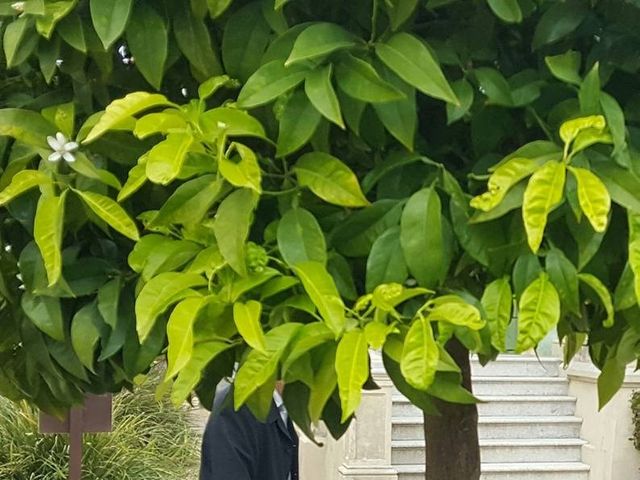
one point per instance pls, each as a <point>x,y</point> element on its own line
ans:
<point>506,406</point>
<point>512,471</point>
<point>517,366</point>
<point>411,452</point>
<point>520,385</point>
<point>410,428</point>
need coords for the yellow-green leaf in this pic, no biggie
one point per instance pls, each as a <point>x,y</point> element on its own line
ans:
<point>457,313</point>
<point>243,171</point>
<point>47,231</point>
<point>420,355</point>
<point>85,334</point>
<point>593,197</point>
<point>22,182</point>
<point>538,313</point>
<point>247,319</point>
<point>497,301</point>
<point>570,129</point>
<point>180,334</point>
<point>352,368</point>
<point>501,181</point>
<point>603,293</point>
<point>111,212</point>
<point>165,160</point>
<point>543,193</point>
<point>136,179</point>
<point>330,179</point>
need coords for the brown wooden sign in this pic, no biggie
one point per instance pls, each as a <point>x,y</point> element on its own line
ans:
<point>95,416</point>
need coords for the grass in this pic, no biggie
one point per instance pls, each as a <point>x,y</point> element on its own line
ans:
<point>150,441</point>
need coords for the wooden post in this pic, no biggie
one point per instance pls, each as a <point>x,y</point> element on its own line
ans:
<point>75,444</point>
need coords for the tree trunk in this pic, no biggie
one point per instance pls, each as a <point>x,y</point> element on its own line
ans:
<point>453,452</point>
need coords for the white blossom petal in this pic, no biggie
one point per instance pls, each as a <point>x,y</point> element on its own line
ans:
<point>71,146</point>
<point>53,143</point>
<point>69,158</point>
<point>61,138</point>
<point>55,157</point>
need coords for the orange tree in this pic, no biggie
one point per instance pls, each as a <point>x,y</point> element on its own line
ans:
<point>289,184</point>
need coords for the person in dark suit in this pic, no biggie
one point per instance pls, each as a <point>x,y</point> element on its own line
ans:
<point>237,446</point>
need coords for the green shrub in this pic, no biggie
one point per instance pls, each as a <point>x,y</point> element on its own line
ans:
<point>150,441</point>
<point>635,409</point>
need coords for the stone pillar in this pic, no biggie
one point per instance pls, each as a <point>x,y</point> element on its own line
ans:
<point>367,444</point>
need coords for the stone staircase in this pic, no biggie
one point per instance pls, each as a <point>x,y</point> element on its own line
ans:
<point>527,426</point>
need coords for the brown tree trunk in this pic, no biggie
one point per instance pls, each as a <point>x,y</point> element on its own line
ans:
<point>453,452</point>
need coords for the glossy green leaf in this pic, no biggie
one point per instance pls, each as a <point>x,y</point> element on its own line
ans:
<point>232,121</point>
<point>148,39</point>
<point>45,313</point>
<point>269,82</point>
<point>84,166</point>
<point>322,95</point>
<point>247,317</point>
<point>497,302</point>
<point>507,10</point>
<point>544,192</point>
<point>194,40</point>
<point>503,178</point>
<point>26,126</point>
<point>110,18</point>
<point>422,239</point>
<point>242,170</point>
<point>53,13</point>
<point>165,159</point>
<point>323,292</point>
<point>180,334</point>
<point>136,179</point>
<point>218,7</point>
<point>324,382</point>
<point>359,80</point>
<point>330,179</point>
<point>320,40</point>
<point>19,41</point>
<point>48,232</point>
<point>400,11</point>
<point>158,294</point>
<point>85,334</point>
<point>538,312</point>
<point>300,238</point>
<point>352,369</point>
<point>594,198</point>
<point>72,31</point>
<point>603,293</point>
<point>386,263</point>
<point>590,92</point>
<point>420,355</point>
<point>231,227</point>
<point>564,276</point>
<point>570,129</point>
<point>298,123</point>
<point>494,86</point>
<point>123,109</point>
<point>457,312</point>
<point>560,20</point>
<point>412,61</point>
<point>22,182</point>
<point>566,66</point>
<point>464,92</point>
<point>111,212</point>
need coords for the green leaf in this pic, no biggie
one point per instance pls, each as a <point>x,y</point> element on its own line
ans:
<point>544,192</point>
<point>243,170</point>
<point>622,184</point>
<point>570,129</point>
<point>165,159</point>
<point>194,41</point>
<point>321,94</point>
<point>19,41</point>
<point>413,62</point>
<point>420,355</point>
<point>218,7</point>
<point>148,39</point>
<point>298,123</point>
<point>45,313</point>
<point>538,313</point>
<point>497,302</point>
<point>111,212</point>
<point>232,122</point>
<point>260,367</point>
<point>110,18</point>
<point>400,11</point>
<point>358,79</point>
<point>320,40</point>
<point>231,227</point>
<point>71,29</point>
<point>85,167</point>
<point>135,180</point>
<point>589,94</point>
<point>504,177</point>
<point>456,311</point>
<point>85,334</point>
<point>564,276</point>
<point>26,126</point>
<point>180,334</point>
<point>323,292</point>
<point>594,198</point>
<point>270,81</point>
<point>330,179</point>
<point>22,182</point>
<point>603,293</point>
<point>247,318</point>
<point>311,336</point>
<point>122,109</point>
<point>324,381</point>
<point>625,295</point>
<point>464,92</point>
<point>352,369</point>
<point>300,238</point>
<point>566,66</point>
<point>386,263</point>
<point>560,20</point>
<point>48,231</point>
<point>190,202</point>
<point>507,10</point>
<point>53,13</point>
<point>422,239</point>
<point>494,86</point>
<point>158,294</point>
<point>246,36</point>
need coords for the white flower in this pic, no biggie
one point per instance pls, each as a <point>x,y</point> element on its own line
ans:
<point>62,148</point>
<point>18,6</point>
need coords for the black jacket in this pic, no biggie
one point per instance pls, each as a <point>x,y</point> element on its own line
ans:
<point>237,446</point>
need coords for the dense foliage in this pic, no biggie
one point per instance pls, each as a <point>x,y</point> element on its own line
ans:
<point>312,179</point>
<point>150,441</point>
